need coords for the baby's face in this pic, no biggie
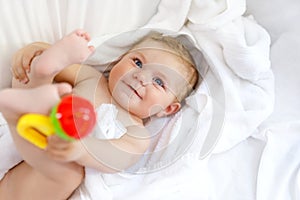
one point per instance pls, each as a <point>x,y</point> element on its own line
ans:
<point>146,80</point>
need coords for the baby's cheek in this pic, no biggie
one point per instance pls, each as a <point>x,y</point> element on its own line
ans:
<point>154,109</point>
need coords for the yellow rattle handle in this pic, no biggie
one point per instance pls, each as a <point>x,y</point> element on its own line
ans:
<point>35,128</point>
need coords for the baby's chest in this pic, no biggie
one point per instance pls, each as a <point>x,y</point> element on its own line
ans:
<point>95,90</point>
<point>102,95</point>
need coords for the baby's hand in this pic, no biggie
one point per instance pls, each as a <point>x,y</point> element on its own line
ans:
<point>20,65</point>
<point>64,151</point>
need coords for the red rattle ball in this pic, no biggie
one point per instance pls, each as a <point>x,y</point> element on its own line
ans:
<point>71,119</point>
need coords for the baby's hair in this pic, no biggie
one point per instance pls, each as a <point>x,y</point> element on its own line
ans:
<point>177,48</point>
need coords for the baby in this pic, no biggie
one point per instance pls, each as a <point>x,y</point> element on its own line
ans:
<point>151,79</point>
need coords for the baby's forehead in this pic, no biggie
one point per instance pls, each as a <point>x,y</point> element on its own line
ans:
<point>158,50</point>
<point>156,46</point>
<point>153,45</point>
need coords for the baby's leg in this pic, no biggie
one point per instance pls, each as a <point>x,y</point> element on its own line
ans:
<point>71,49</point>
<point>16,102</point>
<point>37,177</point>
<point>26,182</point>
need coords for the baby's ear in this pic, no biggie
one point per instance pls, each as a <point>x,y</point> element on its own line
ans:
<point>169,110</point>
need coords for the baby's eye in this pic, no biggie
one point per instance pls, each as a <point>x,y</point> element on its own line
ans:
<point>158,81</point>
<point>138,62</point>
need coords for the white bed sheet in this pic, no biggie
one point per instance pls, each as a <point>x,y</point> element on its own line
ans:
<point>263,166</point>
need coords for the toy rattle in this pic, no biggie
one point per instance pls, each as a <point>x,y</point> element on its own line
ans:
<point>72,118</point>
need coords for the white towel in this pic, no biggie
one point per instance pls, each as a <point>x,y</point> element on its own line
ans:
<point>240,78</point>
<point>8,154</point>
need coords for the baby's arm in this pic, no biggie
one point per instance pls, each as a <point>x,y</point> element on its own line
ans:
<point>108,156</point>
<point>76,73</point>
<point>116,154</point>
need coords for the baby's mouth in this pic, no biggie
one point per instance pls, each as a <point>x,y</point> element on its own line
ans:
<point>135,91</point>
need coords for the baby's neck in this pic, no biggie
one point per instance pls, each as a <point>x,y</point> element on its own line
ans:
<point>126,117</point>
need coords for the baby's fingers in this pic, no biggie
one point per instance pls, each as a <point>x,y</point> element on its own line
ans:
<point>17,68</point>
<point>20,74</point>
<point>55,142</point>
<point>28,58</point>
<point>57,148</point>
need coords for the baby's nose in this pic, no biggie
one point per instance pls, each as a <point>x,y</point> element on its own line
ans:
<point>142,77</point>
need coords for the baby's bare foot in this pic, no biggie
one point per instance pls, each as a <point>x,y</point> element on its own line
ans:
<point>71,49</point>
<point>75,46</point>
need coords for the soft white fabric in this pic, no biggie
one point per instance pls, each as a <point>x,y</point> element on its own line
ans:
<point>279,172</point>
<point>242,166</point>
<point>107,126</point>
<point>8,154</point>
<point>266,165</point>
